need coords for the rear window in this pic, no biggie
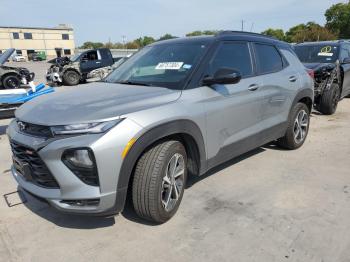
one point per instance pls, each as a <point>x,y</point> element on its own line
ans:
<point>319,53</point>
<point>268,59</point>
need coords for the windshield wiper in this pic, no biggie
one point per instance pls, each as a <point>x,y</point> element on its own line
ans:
<point>133,83</point>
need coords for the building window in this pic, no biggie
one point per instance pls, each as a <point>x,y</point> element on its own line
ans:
<point>65,37</point>
<point>28,36</point>
<point>15,35</point>
<point>19,52</point>
<point>67,52</point>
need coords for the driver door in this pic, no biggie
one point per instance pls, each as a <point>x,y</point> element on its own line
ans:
<point>233,110</point>
<point>91,60</point>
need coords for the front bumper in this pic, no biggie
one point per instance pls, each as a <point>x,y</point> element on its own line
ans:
<point>107,149</point>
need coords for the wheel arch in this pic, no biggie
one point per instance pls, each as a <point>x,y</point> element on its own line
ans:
<point>305,96</point>
<point>12,73</point>
<point>185,131</point>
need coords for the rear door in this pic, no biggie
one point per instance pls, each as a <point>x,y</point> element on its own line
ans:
<point>280,83</point>
<point>233,110</point>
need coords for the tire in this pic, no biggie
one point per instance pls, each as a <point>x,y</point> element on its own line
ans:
<point>11,82</point>
<point>292,139</point>
<point>153,184</point>
<point>329,100</point>
<point>71,78</point>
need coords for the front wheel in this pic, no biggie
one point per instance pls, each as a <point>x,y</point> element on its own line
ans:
<point>298,127</point>
<point>159,181</point>
<point>11,82</point>
<point>71,78</point>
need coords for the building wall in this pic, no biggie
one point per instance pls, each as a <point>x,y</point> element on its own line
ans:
<point>43,39</point>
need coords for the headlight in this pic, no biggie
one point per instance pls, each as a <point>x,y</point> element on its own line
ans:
<point>87,128</point>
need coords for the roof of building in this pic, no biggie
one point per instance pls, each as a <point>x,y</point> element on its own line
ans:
<point>59,27</point>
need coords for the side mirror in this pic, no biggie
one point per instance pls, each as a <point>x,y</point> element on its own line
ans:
<point>223,76</point>
<point>346,60</point>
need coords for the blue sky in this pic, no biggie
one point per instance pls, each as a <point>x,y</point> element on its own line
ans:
<point>104,19</point>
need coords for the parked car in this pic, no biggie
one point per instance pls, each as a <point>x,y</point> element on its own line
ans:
<point>330,65</point>
<point>176,108</point>
<point>13,77</point>
<point>74,70</point>
<point>18,58</point>
<point>38,56</point>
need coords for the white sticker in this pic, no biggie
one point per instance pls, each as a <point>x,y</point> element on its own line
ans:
<point>186,66</point>
<point>325,54</point>
<point>169,66</point>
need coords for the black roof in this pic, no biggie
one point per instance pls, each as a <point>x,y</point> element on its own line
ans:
<point>226,35</point>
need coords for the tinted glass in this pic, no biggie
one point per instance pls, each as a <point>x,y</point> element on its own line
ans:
<point>268,59</point>
<point>232,55</point>
<point>27,35</point>
<point>15,35</point>
<point>317,53</point>
<point>65,37</point>
<point>165,65</point>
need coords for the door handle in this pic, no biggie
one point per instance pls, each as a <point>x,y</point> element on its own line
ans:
<point>98,62</point>
<point>253,87</point>
<point>293,78</point>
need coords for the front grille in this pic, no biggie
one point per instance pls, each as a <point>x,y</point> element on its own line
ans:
<point>35,170</point>
<point>34,130</point>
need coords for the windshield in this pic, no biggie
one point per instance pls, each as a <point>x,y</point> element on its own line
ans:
<point>317,53</point>
<point>75,57</point>
<point>165,65</point>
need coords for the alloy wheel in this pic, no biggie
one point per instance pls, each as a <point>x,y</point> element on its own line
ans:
<point>173,182</point>
<point>301,125</point>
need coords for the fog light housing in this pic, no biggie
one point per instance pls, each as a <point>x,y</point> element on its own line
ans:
<point>81,161</point>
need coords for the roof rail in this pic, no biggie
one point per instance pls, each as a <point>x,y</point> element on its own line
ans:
<point>244,33</point>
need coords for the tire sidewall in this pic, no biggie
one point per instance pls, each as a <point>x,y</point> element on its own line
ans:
<point>7,78</point>
<point>68,81</point>
<point>175,148</point>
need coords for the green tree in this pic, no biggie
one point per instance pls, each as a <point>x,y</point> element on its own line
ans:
<point>338,19</point>
<point>309,32</point>
<point>91,45</point>
<point>277,33</point>
<point>206,32</point>
<point>143,41</point>
<point>166,37</point>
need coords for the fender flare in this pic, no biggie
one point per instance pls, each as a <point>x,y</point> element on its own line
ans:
<point>186,127</point>
<point>304,93</point>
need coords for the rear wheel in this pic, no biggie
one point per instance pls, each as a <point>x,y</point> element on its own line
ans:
<point>11,82</point>
<point>298,127</point>
<point>159,181</point>
<point>329,100</point>
<point>71,78</point>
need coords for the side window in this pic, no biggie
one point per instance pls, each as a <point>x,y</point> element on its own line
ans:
<point>90,56</point>
<point>232,55</point>
<point>344,51</point>
<point>268,59</point>
<point>104,54</point>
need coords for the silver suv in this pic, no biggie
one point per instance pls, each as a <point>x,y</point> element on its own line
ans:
<point>176,108</point>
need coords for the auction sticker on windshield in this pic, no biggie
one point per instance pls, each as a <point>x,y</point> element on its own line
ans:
<point>326,51</point>
<point>169,66</point>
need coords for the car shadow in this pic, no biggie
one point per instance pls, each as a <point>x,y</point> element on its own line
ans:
<point>3,130</point>
<point>44,210</point>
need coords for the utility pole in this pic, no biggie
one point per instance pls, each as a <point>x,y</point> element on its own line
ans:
<point>251,28</point>
<point>242,24</point>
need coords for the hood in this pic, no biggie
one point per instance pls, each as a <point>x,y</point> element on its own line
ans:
<point>93,102</point>
<point>318,66</point>
<point>5,56</point>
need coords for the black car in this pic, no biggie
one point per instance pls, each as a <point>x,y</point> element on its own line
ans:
<point>329,62</point>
